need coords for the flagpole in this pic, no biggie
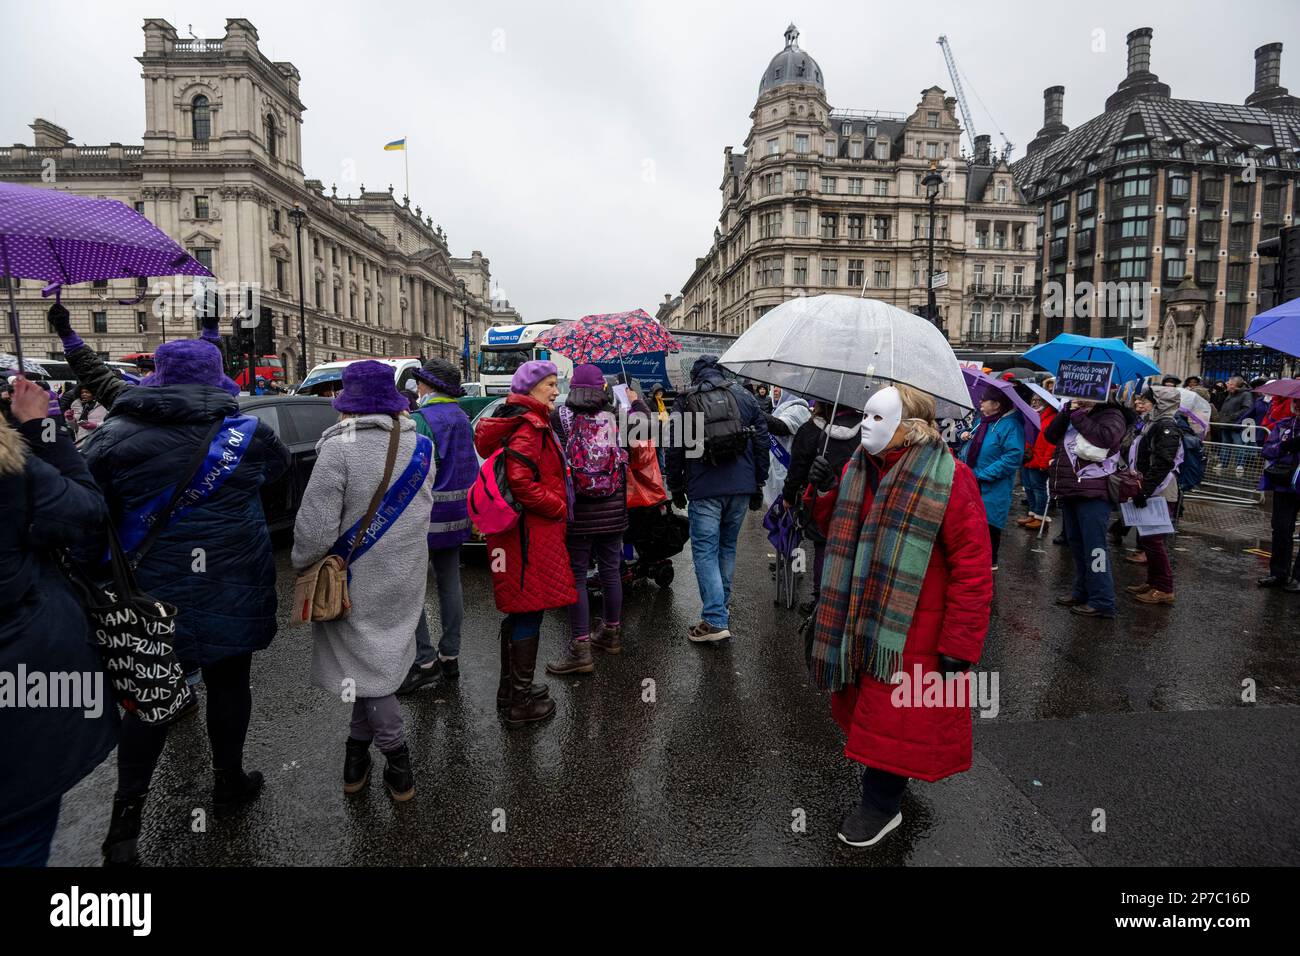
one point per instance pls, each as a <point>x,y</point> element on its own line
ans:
<point>406,159</point>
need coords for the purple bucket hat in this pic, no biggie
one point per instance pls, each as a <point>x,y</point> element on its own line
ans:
<point>369,389</point>
<point>528,375</point>
<point>188,362</point>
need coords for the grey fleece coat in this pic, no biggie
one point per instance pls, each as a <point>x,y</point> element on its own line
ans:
<point>374,646</point>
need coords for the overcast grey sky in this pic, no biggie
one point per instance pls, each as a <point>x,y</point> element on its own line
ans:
<point>579,144</point>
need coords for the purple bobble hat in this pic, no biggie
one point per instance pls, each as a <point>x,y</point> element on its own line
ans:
<point>370,389</point>
<point>188,362</point>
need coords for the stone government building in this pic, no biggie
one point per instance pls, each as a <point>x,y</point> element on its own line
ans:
<point>826,200</point>
<point>1174,193</point>
<point>219,170</point>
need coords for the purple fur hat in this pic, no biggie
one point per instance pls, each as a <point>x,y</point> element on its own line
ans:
<point>369,389</point>
<point>188,362</point>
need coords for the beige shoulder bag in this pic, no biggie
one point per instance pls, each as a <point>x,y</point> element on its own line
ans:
<point>320,593</point>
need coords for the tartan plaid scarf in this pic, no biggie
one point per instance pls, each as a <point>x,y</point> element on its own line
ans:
<point>875,568</point>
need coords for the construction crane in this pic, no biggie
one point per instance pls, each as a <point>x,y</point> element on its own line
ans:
<point>951,61</point>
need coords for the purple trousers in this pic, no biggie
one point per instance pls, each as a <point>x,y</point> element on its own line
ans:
<point>1160,573</point>
<point>608,549</point>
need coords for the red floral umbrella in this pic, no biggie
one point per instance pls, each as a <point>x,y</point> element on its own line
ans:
<point>608,338</point>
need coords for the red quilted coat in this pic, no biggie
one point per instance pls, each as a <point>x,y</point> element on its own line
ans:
<point>1042,449</point>
<point>530,563</point>
<point>952,618</point>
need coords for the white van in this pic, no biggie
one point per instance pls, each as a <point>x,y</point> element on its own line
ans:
<point>327,378</point>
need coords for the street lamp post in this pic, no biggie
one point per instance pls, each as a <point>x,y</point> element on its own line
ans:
<point>299,218</point>
<point>464,326</point>
<point>932,182</point>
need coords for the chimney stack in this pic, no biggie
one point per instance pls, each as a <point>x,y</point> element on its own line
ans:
<point>1269,93</point>
<point>1139,81</point>
<point>1139,51</point>
<point>982,150</point>
<point>1053,119</point>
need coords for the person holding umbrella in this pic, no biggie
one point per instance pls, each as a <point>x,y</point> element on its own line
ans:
<point>995,451</point>
<point>213,559</point>
<point>907,590</point>
<point>1157,453</point>
<point>48,502</point>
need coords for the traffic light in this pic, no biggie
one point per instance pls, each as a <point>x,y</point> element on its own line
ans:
<point>264,333</point>
<point>1281,282</point>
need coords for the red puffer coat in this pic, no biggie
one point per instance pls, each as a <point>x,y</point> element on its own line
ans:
<point>1042,449</point>
<point>530,563</point>
<point>952,618</point>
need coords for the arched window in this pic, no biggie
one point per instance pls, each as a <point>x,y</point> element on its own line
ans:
<point>270,134</point>
<point>202,118</point>
<point>995,320</point>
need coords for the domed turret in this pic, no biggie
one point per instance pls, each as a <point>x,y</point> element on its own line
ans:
<point>791,66</point>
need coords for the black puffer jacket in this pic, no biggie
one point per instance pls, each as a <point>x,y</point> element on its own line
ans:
<point>227,601</point>
<point>593,517</point>
<point>48,501</point>
<point>807,445</point>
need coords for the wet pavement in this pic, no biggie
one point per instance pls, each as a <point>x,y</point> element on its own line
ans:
<point>1141,718</point>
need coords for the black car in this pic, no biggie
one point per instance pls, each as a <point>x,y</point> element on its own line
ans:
<point>299,420</point>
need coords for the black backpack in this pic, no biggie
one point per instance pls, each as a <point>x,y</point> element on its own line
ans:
<point>725,434</point>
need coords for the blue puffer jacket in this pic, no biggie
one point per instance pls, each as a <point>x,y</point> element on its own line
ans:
<point>1001,456</point>
<point>47,501</point>
<point>226,596</point>
<point>743,475</point>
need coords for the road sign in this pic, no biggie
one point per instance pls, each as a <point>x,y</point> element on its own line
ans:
<point>938,280</point>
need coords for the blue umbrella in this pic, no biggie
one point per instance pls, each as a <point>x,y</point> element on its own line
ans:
<point>1084,348</point>
<point>1278,328</point>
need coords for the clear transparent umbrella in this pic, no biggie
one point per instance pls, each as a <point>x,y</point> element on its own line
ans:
<point>841,349</point>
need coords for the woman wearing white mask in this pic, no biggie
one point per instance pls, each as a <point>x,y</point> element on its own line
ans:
<point>906,589</point>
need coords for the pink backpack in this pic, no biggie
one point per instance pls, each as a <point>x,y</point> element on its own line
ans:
<point>596,461</point>
<point>492,507</point>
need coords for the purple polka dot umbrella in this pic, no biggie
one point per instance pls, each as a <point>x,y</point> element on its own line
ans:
<point>63,239</point>
<point>605,338</point>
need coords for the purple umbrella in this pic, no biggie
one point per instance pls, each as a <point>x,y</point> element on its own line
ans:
<point>1278,328</point>
<point>64,239</point>
<point>977,382</point>
<point>1283,388</point>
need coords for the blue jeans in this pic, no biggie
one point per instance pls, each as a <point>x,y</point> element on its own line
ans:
<point>715,526</point>
<point>1086,521</point>
<point>1035,482</point>
<point>451,608</point>
<point>26,841</point>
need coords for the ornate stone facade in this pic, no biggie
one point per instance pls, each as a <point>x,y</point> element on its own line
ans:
<point>826,200</point>
<point>221,171</point>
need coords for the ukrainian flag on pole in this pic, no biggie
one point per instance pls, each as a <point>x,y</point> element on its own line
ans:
<point>406,162</point>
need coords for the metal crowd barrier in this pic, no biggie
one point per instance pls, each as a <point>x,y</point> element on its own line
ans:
<point>1233,469</point>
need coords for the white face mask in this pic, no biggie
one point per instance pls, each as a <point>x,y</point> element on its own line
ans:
<point>883,415</point>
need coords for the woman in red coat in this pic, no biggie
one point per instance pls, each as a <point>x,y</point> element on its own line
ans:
<point>530,563</point>
<point>906,593</point>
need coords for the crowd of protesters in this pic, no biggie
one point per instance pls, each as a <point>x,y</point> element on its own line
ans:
<point>905,515</point>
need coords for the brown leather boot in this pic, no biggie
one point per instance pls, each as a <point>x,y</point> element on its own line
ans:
<point>575,660</point>
<point>503,687</point>
<point>524,707</point>
<point>609,639</point>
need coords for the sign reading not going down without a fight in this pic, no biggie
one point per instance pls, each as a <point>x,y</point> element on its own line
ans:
<point>1084,380</point>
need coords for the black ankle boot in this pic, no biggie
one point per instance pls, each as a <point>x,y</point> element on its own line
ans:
<point>234,789</point>
<point>119,847</point>
<point>398,777</point>
<point>356,765</point>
